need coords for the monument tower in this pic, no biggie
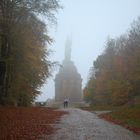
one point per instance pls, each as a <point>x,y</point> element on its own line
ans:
<point>68,82</point>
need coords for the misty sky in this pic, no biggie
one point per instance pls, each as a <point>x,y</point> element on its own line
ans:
<point>89,22</point>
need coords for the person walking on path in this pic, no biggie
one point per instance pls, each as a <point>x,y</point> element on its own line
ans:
<point>66,102</point>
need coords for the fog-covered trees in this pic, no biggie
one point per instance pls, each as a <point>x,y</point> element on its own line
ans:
<point>24,41</point>
<point>117,70</point>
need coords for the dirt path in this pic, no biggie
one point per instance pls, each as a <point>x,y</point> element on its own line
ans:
<point>83,125</point>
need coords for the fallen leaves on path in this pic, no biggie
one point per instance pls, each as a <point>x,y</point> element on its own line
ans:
<point>27,123</point>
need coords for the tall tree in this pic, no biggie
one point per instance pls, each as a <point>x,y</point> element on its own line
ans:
<point>117,69</point>
<point>24,48</point>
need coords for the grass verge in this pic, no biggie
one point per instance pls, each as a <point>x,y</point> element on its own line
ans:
<point>128,117</point>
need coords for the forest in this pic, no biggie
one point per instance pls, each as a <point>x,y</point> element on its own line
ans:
<point>114,77</point>
<point>24,48</point>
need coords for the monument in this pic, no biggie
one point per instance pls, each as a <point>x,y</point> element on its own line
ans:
<point>68,82</point>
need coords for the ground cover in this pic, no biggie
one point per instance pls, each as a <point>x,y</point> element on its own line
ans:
<point>27,123</point>
<point>129,117</point>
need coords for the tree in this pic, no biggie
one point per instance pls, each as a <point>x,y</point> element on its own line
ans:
<point>24,48</point>
<point>117,69</point>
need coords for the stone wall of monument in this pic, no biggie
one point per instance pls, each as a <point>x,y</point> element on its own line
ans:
<point>68,84</point>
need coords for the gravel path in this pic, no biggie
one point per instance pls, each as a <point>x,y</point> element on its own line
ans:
<point>83,125</point>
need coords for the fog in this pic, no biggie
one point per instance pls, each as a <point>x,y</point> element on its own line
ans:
<point>88,23</point>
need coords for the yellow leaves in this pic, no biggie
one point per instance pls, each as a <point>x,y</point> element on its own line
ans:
<point>117,70</point>
<point>120,90</point>
<point>85,92</point>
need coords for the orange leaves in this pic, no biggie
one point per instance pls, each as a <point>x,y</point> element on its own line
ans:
<point>26,123</point>
<point>117,70</point>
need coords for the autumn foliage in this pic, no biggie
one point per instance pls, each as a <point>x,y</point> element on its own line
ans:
<point>115,75</point>
<point>20,123</point>
<point>24,52</point>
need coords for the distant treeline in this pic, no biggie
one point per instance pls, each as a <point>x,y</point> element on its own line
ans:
<point>24,41</point>
<point>114,78</point>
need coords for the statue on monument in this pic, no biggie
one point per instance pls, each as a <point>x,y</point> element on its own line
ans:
<point>68,49</point>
